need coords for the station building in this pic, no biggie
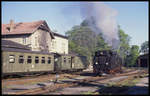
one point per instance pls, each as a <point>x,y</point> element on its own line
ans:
<point>143,60</point>
<point>36,35</point>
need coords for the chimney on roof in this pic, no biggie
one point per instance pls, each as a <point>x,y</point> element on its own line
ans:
<point>11,25</point>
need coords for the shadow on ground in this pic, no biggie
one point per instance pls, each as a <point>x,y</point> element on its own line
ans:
<point>102,89</point>
<point>121,90</point>
<point>87,74</point>
<point>18,89</point>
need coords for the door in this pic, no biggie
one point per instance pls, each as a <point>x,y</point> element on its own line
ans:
<point>9,61</point>
<point>72,62</point>
<point>30,62</point>
<point>57,62</point>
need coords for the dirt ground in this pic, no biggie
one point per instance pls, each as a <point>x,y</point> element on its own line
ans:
<point>80,84</point>
<point>136,85</point>
<point>101,87</point>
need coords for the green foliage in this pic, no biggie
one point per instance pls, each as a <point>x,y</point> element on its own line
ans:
<point>85,23</point>
<point>101,45</point>
<point>83,41</point>
<point>131,58</point>
<point>144,47</point>
<point>124,44</point>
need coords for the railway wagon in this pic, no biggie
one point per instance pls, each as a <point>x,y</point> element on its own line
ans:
<point>106,61</point>
<point>69,62</point>
<point>19,61</point>
<point>25,61</point>
<point>62,62</point>
<point>79,62</point>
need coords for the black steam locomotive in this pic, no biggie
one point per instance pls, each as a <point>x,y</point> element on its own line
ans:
<point>107,62</point>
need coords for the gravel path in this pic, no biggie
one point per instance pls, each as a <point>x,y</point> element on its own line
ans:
<point>74,90</point>
<point>140,88</point>
<point>81,87</point>
<point>87,87</point>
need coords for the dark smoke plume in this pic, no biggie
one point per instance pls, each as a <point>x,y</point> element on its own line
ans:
<point>102,19</point>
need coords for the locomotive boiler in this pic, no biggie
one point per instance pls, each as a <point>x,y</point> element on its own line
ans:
<point>106,61</point>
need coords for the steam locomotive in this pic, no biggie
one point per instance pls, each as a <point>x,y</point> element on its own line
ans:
<point>106,62</point>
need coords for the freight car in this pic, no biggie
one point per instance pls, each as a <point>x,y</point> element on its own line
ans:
<point>18,61</point>
<point>106,61</point>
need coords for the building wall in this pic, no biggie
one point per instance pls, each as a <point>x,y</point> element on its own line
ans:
<point>59,45</point>
<point>40,41</point>
<point>22,39</point>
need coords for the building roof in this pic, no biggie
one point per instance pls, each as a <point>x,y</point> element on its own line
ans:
<point>23,28</point>
<point>24,51</point>
<point>56,34</point>
<point>144,55</point>
<point>11,44</point>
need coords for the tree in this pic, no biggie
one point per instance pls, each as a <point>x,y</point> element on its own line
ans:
<point>101,44</point>
<point>81,41</point>
<point>84,41</point>
<point>131,58</point>
<point>144,47</point>
<point>124,46</point>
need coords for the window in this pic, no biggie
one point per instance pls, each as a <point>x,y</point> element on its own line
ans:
<point>63,47</point>
<point>36,59</point>
<point>73,59</point>
<point>36,41</point>
<point>8,28</point>
<point>53,44</point>
<point>64,60</point>
<point>69,60</point>
<point>43,60</point>
<point>49,60</point>
<point>24,40</point>
<point>29,60</point>
<point>11,59</point>
<point>21,59</point>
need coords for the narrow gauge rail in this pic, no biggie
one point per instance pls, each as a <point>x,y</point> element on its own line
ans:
<point>78,82</point>
<point>80,73</point>
<point>50,76</point>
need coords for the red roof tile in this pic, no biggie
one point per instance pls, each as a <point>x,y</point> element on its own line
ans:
<point>21,28</point>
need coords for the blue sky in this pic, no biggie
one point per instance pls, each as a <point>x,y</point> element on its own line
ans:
<point>62,16</point>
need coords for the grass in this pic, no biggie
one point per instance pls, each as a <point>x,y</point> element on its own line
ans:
<point>120,88</point>
<point>115,87</point>
<point>90,93</point>
<point>129,82</point>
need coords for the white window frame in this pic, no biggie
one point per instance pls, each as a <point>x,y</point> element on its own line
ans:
<point>11,58</point>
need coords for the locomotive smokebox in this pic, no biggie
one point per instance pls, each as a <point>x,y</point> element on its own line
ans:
<point>106,61</point>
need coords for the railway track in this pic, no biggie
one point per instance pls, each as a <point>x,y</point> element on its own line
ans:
<point>11,78</point>
<point>56,86</point>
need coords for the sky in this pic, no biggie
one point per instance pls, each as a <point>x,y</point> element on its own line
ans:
<point>62,16</point>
